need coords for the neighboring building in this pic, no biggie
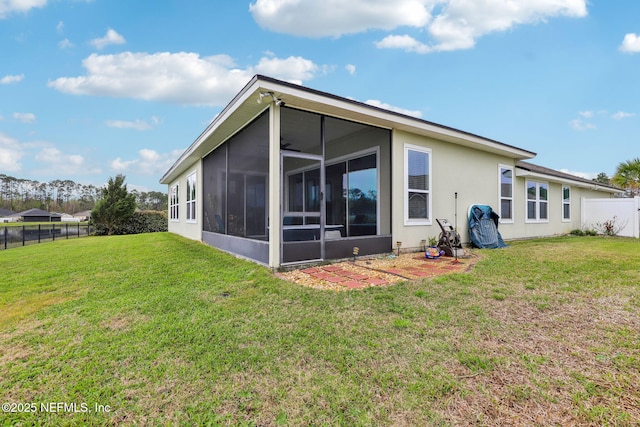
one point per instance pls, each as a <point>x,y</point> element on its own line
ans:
<point>288,174</point>
<point>7,216</point>
<point>65,217</point>
<point>82,215</point>
<point>38,215</point>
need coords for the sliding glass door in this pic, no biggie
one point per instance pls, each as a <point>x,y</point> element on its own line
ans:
<point>303,229</point>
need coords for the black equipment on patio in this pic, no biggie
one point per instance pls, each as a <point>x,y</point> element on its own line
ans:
<point>449,240</point>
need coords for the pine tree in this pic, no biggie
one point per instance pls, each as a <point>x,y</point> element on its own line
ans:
<point>116,206</point>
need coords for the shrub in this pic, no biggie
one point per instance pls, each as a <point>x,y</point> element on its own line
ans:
<point>583,232</point>
<point>140,222</point>
<point>609,227</point>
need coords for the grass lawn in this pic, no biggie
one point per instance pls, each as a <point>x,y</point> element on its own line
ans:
<point>156,329</point>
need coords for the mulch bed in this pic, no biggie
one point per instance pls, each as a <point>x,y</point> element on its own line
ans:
<point>377,271</point>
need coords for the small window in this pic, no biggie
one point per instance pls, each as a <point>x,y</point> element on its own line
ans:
<point>174,203</point>
<point>417,161</point>
<point>566,203</point>
<point>191,197</point>
<point>506,194</point>
<point>537,201</point>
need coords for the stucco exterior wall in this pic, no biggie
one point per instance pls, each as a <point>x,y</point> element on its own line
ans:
<point>475,176</point>
<point>523,229</point>
<point>471,173</point>
<point>191,229</point>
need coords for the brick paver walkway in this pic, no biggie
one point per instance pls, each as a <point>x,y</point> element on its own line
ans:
<point>365,273</point>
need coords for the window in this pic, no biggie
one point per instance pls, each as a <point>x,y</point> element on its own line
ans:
<point>537,201</point>
<point>417,203</point>
<point>174,203</point>
<point>506,194</point>
<point>191,198</point>
<point>566,203</point>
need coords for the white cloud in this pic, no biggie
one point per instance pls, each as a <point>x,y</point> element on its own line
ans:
<point>181,78</point>
<point>333,18</point>
<point>65,44</point>
<point>58,163</point>
<point>622,115</point>
<point>9,6</point>
<point>631,43</point>
<point>149,162</point>
<point>588,117</point>
<point>111,37</point>
<point>294,69</point>
<point>24,117</point>
<point>405,42</point>
<point>380,104</point>
<point>461,22</point>
<point>60,27</point>
<point>53,155</point>
<point>351,69</point>
<point>136,124</point>
<point>6,80</point>
<point>450,24</point>
<point>581,125</point>
<point>10,154</point>
<point>584,175</point>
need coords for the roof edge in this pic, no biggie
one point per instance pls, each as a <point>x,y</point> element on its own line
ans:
<point>527,153</point>
<point>536,170</point>
<point>401,119</point>
<point>205,132</point>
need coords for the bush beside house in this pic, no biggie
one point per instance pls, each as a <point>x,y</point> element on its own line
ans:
<point>139,222</point>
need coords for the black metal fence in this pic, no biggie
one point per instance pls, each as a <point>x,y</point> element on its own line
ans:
<point>13,236</point>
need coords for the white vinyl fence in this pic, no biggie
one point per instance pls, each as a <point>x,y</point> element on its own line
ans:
<point>622,214</point>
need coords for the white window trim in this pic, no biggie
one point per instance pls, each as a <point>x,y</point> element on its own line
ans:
<point>176,206</point>
<point>407,220</point>
<point>566,203</point>
<point>500,198</point>
<point>193,211</point>
<point>537,220</point>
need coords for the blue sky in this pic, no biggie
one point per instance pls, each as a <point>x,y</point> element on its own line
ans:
<point>93,88</point>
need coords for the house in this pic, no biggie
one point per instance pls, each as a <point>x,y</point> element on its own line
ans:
<point>38,215</point>
<point>287,174</point>
<point>65,217</point>
<point>7,216</point>
<point>82,215</point>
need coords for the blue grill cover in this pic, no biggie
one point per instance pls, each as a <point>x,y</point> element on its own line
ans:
<point>483,227</point>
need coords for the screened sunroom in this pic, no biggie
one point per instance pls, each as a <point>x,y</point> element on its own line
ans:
<point>330,191</point>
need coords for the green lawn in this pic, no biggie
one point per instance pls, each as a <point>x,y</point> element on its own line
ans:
<point>156,329</point>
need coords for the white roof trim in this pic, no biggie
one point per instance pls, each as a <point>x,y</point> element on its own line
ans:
<point>333,105</point>
<point>595,186</point>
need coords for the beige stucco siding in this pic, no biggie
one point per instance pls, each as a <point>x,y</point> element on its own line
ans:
<point>473,174</point>
<point>191,229</point>
<point>521,228</point>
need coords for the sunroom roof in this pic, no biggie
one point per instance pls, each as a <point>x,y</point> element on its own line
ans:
<point>244,108</point>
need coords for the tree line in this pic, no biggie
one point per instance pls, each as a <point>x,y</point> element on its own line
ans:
<point>65,196</point>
